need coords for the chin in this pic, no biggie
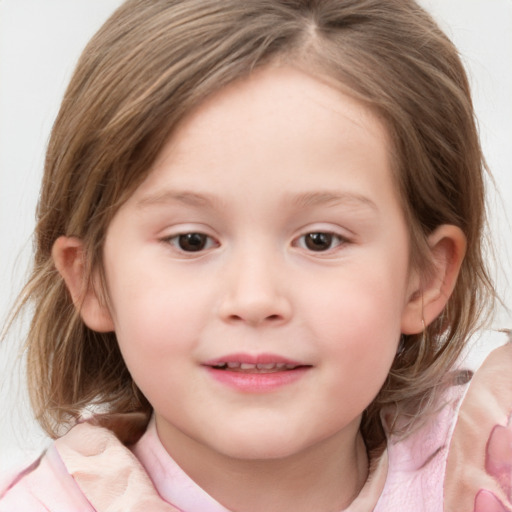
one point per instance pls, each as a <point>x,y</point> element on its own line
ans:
<point>258,445</point>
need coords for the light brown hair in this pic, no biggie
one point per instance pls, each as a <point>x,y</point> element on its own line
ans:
<point>153,62</point>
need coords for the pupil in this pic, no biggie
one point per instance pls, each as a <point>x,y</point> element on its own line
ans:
<point>318,241</point>
<point>192,242</point>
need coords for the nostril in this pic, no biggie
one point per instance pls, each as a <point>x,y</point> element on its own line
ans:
<point>268,310</point>
<point>256,320</point>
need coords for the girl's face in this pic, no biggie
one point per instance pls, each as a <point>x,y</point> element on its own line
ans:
<point>259,277</point>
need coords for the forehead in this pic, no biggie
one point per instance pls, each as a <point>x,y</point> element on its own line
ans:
<point>281,97</point>
<point>265,131</point>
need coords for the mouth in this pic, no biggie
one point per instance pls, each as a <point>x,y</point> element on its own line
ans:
<point>239,367</point>
<point>256,374</point>
<point>261,363</point>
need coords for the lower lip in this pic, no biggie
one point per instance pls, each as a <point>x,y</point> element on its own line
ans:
<point>257,382</point>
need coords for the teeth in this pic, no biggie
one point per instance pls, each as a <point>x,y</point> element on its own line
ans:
<point>235,365</point>
<point>266,366</point>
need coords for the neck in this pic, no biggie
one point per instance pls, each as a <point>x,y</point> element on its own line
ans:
<point>324,478</point>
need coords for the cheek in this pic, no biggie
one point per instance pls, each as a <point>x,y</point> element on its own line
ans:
<point>360,305</point>
<point>156,314</point>
<point>158,332</point>
<point>357,325</point>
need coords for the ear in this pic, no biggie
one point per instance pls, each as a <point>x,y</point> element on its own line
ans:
<point>447,249</point>
<point>68,256</point>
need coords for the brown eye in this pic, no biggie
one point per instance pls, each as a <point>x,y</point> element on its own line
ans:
<point>318,241</point>
<point>191,242</point>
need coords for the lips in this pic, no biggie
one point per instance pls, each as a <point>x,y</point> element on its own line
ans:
<point>262,363</point>
<point>256,374</point>
<point>254,368</point>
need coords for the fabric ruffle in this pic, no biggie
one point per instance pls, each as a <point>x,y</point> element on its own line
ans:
<point>479,464</point>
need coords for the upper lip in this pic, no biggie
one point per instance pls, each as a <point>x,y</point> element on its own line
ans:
<point>263,361</point>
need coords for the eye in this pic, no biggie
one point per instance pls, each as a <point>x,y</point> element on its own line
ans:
<point>191,242</point>
<point>320,241</point>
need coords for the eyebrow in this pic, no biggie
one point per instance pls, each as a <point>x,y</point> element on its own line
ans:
<point>185,197</point>
<point>301,201</point>
<point>312,199</point>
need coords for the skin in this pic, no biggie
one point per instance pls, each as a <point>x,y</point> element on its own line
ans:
<point>255,169</point>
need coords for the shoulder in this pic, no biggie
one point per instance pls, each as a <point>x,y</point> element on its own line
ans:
<point>417,460</point>
<point>45,485</point>
<point>479,463</point>
<point>91,468</point>
<point>98,456</point>
<point>461,456</point>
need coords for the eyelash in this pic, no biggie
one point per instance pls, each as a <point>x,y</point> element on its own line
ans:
<point>200,242</point>
<point>315,236</point>
<point>193,238</point>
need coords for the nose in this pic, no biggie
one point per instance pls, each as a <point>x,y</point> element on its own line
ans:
<point>255,292</point>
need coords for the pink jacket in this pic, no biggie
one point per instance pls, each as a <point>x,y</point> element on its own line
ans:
<point>460,460</point>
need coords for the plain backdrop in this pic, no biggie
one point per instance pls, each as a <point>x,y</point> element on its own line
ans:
<point>39,46</point>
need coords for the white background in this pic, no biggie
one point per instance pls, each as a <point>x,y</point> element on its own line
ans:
<point>39,45</point>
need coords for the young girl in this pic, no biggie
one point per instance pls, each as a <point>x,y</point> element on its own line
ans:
<point>259,257</point>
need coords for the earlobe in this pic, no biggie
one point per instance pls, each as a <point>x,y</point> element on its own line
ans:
<point>447,246</point>
<point>68,257</point>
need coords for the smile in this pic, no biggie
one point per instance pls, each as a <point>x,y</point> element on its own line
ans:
<point>256,374</point>
<point>255,368</point>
